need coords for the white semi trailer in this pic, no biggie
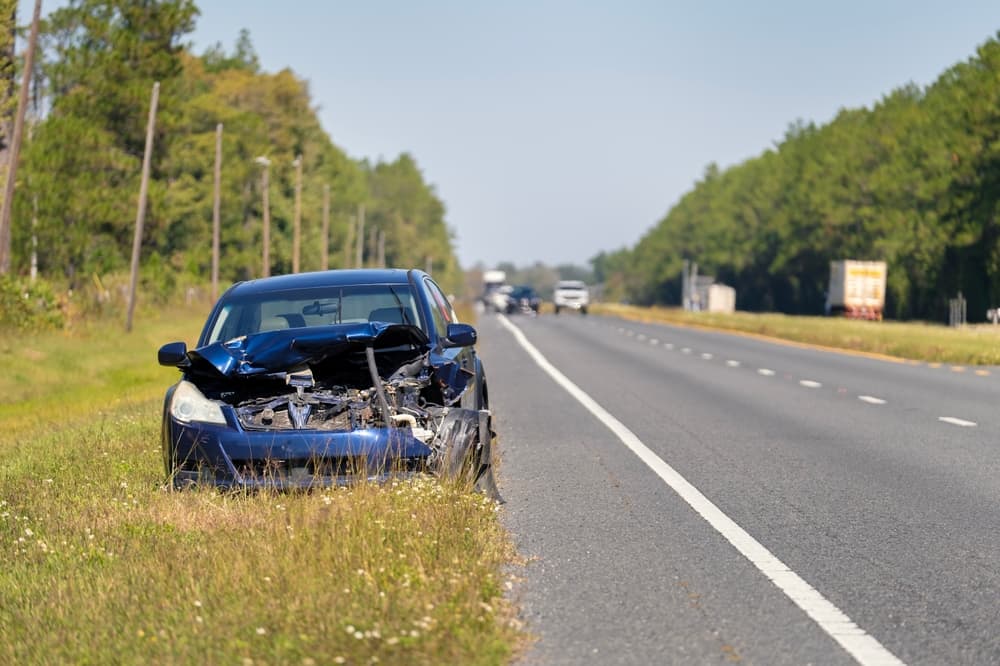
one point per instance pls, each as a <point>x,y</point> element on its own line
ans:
<point>857,289</point>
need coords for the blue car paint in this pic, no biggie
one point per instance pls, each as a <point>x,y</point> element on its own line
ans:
<point>224,449</point>
<point>216,447</point>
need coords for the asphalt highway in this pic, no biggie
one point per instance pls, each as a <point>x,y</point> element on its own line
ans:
<point>725,499</point>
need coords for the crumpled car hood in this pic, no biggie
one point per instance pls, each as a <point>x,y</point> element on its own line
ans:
<point>288,349</point>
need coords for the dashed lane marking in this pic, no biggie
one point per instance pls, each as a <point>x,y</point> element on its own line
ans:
<point>767,372</point>
<point>808,383</point>
<point>962,423</point>
<point>871,400</point>
<point>865,649</point>
<point>733,364</point>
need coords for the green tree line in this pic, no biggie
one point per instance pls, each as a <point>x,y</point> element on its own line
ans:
<point>913,181</point>
<point>80,168</point>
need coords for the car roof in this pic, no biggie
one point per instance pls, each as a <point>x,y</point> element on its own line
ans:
<point>571,283</point>
<point>334,278</point>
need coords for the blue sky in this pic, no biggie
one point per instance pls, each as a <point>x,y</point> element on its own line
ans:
<point>553,130</point>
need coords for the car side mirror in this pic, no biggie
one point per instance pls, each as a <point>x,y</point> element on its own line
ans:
<point>173,354</point>
<point>460,335</point>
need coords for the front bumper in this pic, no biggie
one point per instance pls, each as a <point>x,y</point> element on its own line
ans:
<point>227,456</point>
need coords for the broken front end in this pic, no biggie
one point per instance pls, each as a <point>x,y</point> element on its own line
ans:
<point>324,406</point>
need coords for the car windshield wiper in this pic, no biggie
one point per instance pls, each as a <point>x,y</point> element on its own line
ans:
<point>404,312</point>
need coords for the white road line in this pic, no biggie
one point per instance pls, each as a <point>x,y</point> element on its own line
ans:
<point>654,341</point>
<point>956,421</point>
<point>871,400</point>
<point>685,350</point>
<point>630,334</point>
<point>668,345</point>
<point>863,647</point>
<point>733,364</point>
<point>808,383</point>
<point>707,356</point>
<point>766,372</point>
<point>640,337</point>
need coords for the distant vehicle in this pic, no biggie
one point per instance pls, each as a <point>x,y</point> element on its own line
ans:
<point>524,299</point>
<point>493,280</point>
<point>499,298</point>
<point>571,294</point>
<point>857,289</point>
<point>719,298</point>
<point>320,379</point>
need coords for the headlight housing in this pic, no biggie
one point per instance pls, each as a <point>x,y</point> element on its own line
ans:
<point>188,404</point>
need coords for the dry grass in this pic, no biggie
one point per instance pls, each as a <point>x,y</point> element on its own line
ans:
<point>915,341</point>
<point>104,565</point>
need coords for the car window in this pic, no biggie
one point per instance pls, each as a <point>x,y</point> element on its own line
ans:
<point>319,306</point>
<point>441,309</point>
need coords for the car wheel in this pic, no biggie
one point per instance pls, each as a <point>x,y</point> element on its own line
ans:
<point>467,439</point>
<point>583,310</point>
<point>557,309</point>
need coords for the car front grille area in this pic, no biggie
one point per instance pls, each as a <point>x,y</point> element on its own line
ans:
<point>303,470</point>
<point>292,414</point>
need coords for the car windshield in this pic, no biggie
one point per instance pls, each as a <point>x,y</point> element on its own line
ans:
<point>316,306</point>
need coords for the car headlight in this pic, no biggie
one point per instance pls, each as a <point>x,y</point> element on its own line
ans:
<point>188,404</point>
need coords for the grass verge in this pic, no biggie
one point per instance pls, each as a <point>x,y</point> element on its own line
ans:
<point>971,345</point>
<point>103,565</point>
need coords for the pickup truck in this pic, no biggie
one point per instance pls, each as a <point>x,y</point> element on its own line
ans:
<point>571,294</point>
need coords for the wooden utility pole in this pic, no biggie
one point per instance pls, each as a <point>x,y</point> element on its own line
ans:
<point>140,216</point>
<point>428,264</point>
<point>349,243</point>
<point>297,216</point>
<point>325,244</point>
<point>265,184</point>
<point>8,79</point>
<point>15,143</point>
<point>216,211</point>
<point>381,249</point>
<point>34,237</point>
<point>359,259</point>
<point>373,247</point>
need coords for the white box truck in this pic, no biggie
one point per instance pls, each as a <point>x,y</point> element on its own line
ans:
<point>857,289</point>
<point>720,298</point>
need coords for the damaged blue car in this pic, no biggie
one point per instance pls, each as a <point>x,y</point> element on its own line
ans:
<point>320,379</point>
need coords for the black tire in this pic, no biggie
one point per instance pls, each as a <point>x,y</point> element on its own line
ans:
<point>557,309</point>
<point>583,310</point>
